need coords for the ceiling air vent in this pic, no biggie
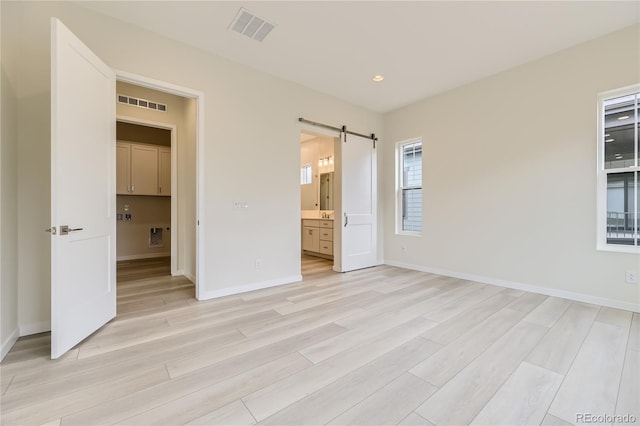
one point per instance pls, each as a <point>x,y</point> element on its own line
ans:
<point>250,25</point>
<point>141,103</point>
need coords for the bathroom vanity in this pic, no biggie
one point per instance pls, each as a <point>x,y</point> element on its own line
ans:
<point>317,237</point>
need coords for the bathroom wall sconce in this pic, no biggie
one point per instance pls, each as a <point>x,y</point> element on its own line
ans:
<point>325,161</point>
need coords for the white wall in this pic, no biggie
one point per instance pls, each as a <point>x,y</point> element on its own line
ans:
<point>245,112</point>
<point>8,198</point>
<point>133,235</point>
<point>510,175</point>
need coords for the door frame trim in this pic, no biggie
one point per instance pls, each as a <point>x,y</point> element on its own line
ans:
<point>198,96</point>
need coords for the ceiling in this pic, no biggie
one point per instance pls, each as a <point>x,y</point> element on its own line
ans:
<point>420,47</point>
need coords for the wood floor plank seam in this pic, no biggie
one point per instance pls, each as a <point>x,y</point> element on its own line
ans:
<point>4,391</point>
<point>343,363</point>
<point>525,360</point>
<point>424,380</point>
<point>571,365</point>
<point>574,397</point>
<point>99,361</point>
<point>188,396</point>
<point>370,377</point>
<point>502,420</point>
<point>624,361</point>
<point>555,394</point>
<point>489,343</point>
<point>248,411</point>
<point>219,372</point>
<point>216,390</point>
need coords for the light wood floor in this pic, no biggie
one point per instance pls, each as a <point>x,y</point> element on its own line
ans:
<point>380,346</point>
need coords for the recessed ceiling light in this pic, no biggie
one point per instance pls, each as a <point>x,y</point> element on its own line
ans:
<point>378,78</point>
<point>609,140</point>
<point>624,117</point>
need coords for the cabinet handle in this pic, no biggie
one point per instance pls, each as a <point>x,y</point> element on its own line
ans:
<point>133,188</point>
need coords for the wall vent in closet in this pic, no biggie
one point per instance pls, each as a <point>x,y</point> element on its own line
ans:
<point>141,103</point>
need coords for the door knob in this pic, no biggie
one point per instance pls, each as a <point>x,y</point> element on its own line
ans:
<point>64,229</point>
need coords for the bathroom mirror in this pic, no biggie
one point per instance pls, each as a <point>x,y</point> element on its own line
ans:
<point>326,191</point>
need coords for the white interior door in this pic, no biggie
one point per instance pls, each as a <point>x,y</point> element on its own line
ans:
<point>83,292</point>
<point>358,206</point>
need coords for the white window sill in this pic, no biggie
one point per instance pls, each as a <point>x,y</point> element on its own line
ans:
<point>409,234</point>
<point>615,248</point>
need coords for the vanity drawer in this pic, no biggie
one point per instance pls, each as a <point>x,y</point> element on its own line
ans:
<point>326,224</point>
<point>311,222</point>
<point>326,234</point>
<point>326,247</point>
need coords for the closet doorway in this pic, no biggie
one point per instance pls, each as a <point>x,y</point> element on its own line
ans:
<point>155,217</point>
<point>143,192</point>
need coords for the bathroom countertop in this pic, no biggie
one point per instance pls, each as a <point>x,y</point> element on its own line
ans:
<point>313,214</point>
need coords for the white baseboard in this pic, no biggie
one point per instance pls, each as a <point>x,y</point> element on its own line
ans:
<point>39,327</point>
<point>248,287</point>
<point>143,256</point>
<point>563,294</point>
<point>190,277</point>
<point>8,343</point>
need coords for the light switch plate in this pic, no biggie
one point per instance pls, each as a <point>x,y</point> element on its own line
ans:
<point>240,205</point>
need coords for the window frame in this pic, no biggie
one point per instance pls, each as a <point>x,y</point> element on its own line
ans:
<point>304,167</point>
<point>399,165</point>
<point>602,173</point>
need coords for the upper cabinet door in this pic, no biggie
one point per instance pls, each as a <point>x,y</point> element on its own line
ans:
<point>144,170</point>
<point>123,168</point>
<point>164,173</point>
<point>83,164</point>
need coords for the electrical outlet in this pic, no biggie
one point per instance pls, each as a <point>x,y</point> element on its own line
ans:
<point>258,263</point>
<point>631,277</point>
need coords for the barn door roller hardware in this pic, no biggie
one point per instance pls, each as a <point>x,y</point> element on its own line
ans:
<point>342,130</point>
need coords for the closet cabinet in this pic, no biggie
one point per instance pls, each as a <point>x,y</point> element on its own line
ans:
<point>142,169</point>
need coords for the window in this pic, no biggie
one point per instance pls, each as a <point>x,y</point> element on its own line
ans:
<point>409,184</point>
<point>619,171</point>
<point>305,174</point>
